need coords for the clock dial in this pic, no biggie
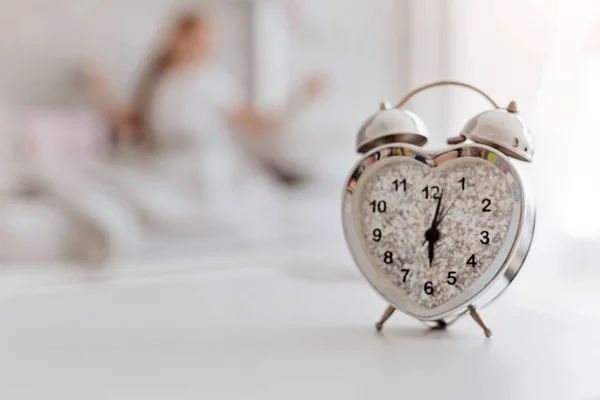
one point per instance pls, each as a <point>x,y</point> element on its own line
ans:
<point>433,232</point>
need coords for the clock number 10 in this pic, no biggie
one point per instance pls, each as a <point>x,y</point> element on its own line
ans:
<point>378,206</point>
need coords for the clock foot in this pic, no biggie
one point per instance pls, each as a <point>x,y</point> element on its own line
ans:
<point>386,315</point>
<point>475,315</point>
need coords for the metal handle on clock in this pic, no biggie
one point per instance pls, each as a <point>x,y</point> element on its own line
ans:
<point>445,83</point>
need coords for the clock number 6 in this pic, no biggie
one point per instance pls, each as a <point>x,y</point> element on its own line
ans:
<point>485,237</point>
<point>429,288</point>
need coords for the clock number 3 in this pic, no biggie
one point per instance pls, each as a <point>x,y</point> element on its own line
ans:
<point>485,237</point>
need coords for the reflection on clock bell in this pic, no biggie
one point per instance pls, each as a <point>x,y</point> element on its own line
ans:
<point>391,125</point>
<point>502,129</point>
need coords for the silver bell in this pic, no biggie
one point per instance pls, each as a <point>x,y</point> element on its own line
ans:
<point>390,125</point>
<point>502,129</point>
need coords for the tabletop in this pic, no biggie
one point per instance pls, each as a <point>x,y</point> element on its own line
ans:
<point>252,328</point>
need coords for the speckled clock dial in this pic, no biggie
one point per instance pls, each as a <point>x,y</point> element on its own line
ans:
<point>397,206</point>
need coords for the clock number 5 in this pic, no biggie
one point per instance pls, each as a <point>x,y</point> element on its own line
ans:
<point>485,237</point>
<point>451,278</point>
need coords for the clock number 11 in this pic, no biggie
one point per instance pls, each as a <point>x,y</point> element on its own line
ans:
<point>398,183</point>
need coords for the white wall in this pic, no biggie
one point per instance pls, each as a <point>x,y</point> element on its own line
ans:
<point>362,45</point>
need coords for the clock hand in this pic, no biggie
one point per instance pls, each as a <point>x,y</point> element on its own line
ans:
<point>432,234</point>
<point>448,209</point>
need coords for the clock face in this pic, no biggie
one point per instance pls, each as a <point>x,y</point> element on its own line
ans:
<point>435,229</point>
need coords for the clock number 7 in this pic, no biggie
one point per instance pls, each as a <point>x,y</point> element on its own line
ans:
<point>406,271</point>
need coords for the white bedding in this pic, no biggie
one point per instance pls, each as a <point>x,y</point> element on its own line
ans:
<point>99,211</point>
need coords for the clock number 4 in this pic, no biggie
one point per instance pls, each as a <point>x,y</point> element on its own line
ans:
<point>378,206</point>
<point>471,261</point>
<point>434,192</point>
<point>398,184</point>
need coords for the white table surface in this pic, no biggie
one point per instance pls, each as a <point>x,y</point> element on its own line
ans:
<point>244,328</point>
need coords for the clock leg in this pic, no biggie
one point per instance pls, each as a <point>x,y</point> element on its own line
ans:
<point>386,315</point>
<point>479,321</point>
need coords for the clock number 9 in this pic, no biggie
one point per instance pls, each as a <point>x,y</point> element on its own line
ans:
<point>378,206</point>
<point>377,235</point>
<point>429,288</point>
<point>485,237</point>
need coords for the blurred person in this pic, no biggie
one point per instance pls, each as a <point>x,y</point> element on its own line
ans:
<point>189,114</point>
<point>186,101</point>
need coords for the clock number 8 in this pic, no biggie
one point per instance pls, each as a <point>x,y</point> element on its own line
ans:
<point>429,288</point>
<point>388,257</point>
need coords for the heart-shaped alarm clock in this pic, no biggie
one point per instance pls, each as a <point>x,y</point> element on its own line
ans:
<point>439,233</point>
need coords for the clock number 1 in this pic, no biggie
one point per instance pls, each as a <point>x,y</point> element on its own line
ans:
<point>463,182</point>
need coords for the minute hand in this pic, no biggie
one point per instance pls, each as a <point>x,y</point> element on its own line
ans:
<point>447,209</point>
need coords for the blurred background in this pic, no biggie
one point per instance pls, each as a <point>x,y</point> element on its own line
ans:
<point>161,135</point>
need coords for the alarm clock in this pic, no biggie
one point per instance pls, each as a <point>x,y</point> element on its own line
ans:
<point>439,234</point>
